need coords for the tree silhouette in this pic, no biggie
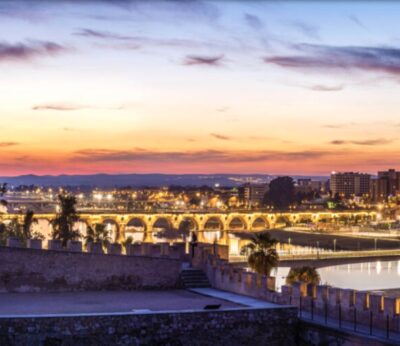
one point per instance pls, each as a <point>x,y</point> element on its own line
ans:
<point>3,190</point>
<point>305,274</point>
<point>98,234</point>
<point>261,252</point>
<point>63,224</point>
<point>281,193</point>
<point>29,220</point>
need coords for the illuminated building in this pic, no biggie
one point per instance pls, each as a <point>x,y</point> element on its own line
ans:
<point>350,184</point>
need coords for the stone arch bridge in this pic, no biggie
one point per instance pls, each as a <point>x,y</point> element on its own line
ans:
<point>203,221</point>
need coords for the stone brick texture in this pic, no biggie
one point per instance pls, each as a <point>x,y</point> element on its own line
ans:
<point>198,328</point>
<point>32,270</point>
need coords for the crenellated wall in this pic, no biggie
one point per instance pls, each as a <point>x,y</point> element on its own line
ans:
<point>320,300</point>
<point>34,269</point>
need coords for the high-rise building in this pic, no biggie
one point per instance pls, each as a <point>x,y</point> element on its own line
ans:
<point>350,184</point>
<point>387,184</point>
<point>253,194</point>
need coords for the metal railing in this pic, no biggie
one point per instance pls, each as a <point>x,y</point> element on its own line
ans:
<point>385,327</point>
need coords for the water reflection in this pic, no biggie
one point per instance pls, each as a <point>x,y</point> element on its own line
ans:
<point>379,275</point>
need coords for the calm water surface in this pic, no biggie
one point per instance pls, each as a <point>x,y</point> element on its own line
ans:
<point>360,276</point>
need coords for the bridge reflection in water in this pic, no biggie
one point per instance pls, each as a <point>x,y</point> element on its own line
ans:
<point>371,275</point>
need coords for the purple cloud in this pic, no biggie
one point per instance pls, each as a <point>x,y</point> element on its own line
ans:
<point>135,42</point>
<point>203,60</point>
<point>138,154</point>
<point>323,58</point>
<point>29,50</point>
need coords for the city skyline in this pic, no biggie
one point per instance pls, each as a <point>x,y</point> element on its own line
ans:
<point>198,87</point>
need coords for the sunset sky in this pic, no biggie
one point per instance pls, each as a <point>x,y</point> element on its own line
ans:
<point>199,87</point>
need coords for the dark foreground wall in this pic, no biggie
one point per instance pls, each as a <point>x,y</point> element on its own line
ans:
<point>30,270</point>
<point>273,327</point>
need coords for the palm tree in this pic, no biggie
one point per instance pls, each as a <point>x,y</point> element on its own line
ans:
<point>261,252</point>
<point>305,274</point>
<point>29,220</point>
<point>63,224</point>
<point>98,234</point>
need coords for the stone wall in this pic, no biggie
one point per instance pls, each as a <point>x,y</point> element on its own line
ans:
<point>226,327</point>
<point>34,270</point>
<point>349,304</point>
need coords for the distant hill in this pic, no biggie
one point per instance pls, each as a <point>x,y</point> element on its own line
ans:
<point>137,180</point>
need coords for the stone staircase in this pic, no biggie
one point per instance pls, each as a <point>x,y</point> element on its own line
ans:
<point>194,278</point>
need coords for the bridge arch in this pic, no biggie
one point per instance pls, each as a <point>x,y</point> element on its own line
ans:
<point>283,219</point>
<point>213,223</point>
<point>136,229</point>
<point>112,227</point>
<point>44,227</point>
<point>260,223</point>
<point>136,224</point>
<point>237,223</point>
<point>213,229</point>
<point>81,226</point>
<point>191,221</point>
<point>162,222</point>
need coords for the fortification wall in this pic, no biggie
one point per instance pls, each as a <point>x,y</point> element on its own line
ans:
<point>226,327</point>
<point>327,301</point>
<point>36,269</point>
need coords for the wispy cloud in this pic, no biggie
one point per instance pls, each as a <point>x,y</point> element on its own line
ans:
<point>309,30</point>
<point>203,60</point>
<point>324,57</point>
<point>357,21</point>
<point>320,87</point>
<point>138,154</point>
<point>219,136</point>
<point>367,142</point>
<point>135,42</point>
<point>253,21</point>
<point>339,126</point>
<point>69,107</point>
<point>57,107</point>
<point>29,50</point>
<point>8,144</point>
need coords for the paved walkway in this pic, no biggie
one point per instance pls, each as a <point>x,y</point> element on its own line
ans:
<point>76,303</point>
<point>235,298</point>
